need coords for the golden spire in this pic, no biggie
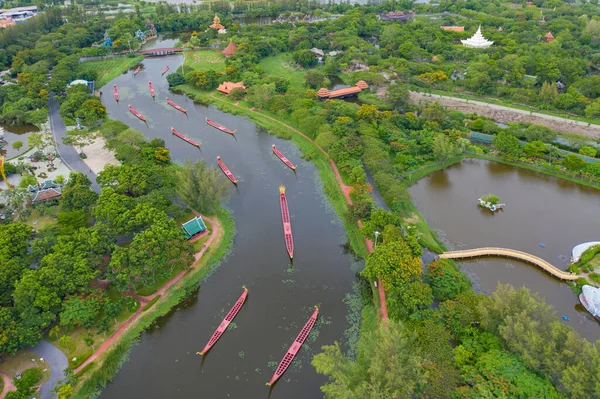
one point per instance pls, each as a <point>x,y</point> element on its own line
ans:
<point>282,189</point>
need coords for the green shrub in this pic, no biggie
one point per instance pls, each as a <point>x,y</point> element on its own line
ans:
<point>595,277</point>
<point>446,281</point>
<point>149,304</point>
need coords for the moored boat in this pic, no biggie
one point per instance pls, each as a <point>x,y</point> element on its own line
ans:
<point>220,127</point>
<point>184,137</point>
<point>291,353</point>
<point>225,323</point>
<point>177,107</point>
<point>287,224</point>
<point>152,93</point>
<point>226,170</point>
<point>133,111</point>
<point>283,158</point>
<point>116,92</point>
<point>590,299</point>
<point>137,70</point>
<point>164,70</point>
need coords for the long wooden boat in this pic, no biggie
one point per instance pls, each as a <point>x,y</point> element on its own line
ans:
<point>177,107</point>
<point>185,138</point>
<point>137,70</point>
<point>226,170</point>
<point>164,70</point>
<point>133,111</point>
<point>225,323</point>
<point>152,93</point>
<point>291,353</point>
<point>287,224</point>
<point>283,158</point>
<point>116,92</point>
<point>220,127</point>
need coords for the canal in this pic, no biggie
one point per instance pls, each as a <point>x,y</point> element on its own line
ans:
<point>281,298</point>
<point>540,209</point>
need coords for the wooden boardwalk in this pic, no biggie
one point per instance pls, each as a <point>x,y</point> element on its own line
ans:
<point>511,253</point>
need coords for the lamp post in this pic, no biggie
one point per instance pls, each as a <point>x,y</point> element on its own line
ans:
<point>376,236</point>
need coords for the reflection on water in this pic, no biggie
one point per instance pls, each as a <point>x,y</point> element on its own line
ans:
<point>539,209</point>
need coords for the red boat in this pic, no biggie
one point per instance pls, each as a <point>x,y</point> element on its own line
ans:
<point>226,170</point>
<point>287,224</point>
<point>133,111</point>
<point>165,70</point>
<point>220,127</point>
<point>225,323</point>
<point>177,107</point>
<point>151,89</point>
<point>137,70</point>
<point>291,353</point>
<point>185,138</point>
<point>116,92</point>
<point>283,158</point>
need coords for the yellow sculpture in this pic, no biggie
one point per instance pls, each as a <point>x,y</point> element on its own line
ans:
<point>2,172</point>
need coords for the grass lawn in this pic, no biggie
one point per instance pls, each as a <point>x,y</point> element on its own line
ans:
<point>283,65</point>
<point>21,361</point>
<point>39,221</point>
<point>109,69</point>
<point>595,262</point>
<point>205,60</point>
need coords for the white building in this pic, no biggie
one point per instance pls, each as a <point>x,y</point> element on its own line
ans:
<point>477,40</point>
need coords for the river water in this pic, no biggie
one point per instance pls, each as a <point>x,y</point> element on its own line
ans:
<point>540,209</point>
<point>281,298</point>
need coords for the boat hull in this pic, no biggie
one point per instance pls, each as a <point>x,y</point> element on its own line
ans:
<point>177,107</point>
<point>220,127</point>
<point>115,92</point>
<point>164,70</point>
<point>151,87</point>
<point>226,170</point>
<point>283,158</point>
<point>140,116</point>
<point>293,350</point>
<point>185,138</point>
<point>287,223</point>
<point>225,323</point>
<point>136,70</point>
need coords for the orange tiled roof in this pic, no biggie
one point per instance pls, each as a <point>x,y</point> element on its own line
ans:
<point>344,92</point>
<point>549,35</point>
<point>226,87</point>
<point>230,49</point>
<point>4,23</point>
<point>323,92</point>
<point>362,84</point>
<point>454,28</point>
<point>44,195</point>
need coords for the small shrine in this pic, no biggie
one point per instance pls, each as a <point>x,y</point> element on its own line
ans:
<point>217,25</point>
<point>226,87</point>
<point>477,40</point>
<point>230,49</point>
<point>193,227</point>
<point>549,37</point>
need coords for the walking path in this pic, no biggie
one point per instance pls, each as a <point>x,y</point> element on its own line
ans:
<point>57,363</point>
<point>8,385</point>
<point>504,114</point>
<point>145,299</point>
<point>67,153</point>
<point>345,189</point>
<point>511,253</point>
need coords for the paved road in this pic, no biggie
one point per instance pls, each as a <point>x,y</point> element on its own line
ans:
<point>57,361</point>
<point>67,153</point>
<point>516,110</point>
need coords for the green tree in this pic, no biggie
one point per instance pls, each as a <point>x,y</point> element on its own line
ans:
<point>392,261</point>
<point>77,193</point>
<point>35,141</point>
<point>368,113</point>
<point>548,92</point>
<point>508,144</point>
<point>259,95</point>
<point>573,163</point>
<point>445,280</point>
<point>65,391</point>
<point>315,80</point>
<point>535,149</point>
<point>17,145</point>
<point>81,311</point>
<point>444,149</point>
<point>28,180</point>
<point>305,58</point>
<point>588,151</point>
<point>237,94</point>
<point>541,133</point>
<point>388,367</point>
<point>593,109</point>
<point>201,187</point>
<point>397,95</point>
<point>91,112</point>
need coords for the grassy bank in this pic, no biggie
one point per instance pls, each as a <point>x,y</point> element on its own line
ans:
<point>309,150</point>
<point>109,69</point>
<point>202,60</point>
<point>106,366</point>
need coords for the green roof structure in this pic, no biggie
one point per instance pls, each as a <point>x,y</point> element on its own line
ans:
<point>193,227</point>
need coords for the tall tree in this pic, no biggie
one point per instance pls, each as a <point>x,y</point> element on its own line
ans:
<point>202,187</point>
<point>392,261</point>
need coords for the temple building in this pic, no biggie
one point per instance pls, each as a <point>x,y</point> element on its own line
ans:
<point>230,49</point>
<point>549,37</point>
<point>397,16</point>
<point>193,227</point>
<point>226,87</point>
<point>361,85</point>
<point>217,25</point>
<point>454,28</point>
<point>477,40</point>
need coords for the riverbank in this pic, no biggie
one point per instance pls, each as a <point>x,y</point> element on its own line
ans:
<point>107,70</point>
<point>99,369</point>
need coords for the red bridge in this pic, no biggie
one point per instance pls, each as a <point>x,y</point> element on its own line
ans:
<point>161,51</point>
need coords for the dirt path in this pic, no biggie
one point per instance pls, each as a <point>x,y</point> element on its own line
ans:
<point>503,114</point>
<point>345,189</point>
<point>216,234</point>
<point>8,385</point>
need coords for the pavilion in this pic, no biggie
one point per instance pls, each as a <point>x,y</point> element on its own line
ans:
<point>226,87</point>
<point>230,49</point>
<point>361,85</point>
<point>193,227</point>
<point>549,37</point>
<point>477,40</point>
<point>217,25</point>
<point>45,195</point>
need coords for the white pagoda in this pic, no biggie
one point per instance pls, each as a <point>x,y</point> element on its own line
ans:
<point>477,40</point>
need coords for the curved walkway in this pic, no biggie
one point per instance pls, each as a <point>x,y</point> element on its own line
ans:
<point>57,363</point>
<point>514,254</point>
<point>8,385</point>
<point>345,189</point>
<point>145,299</point>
